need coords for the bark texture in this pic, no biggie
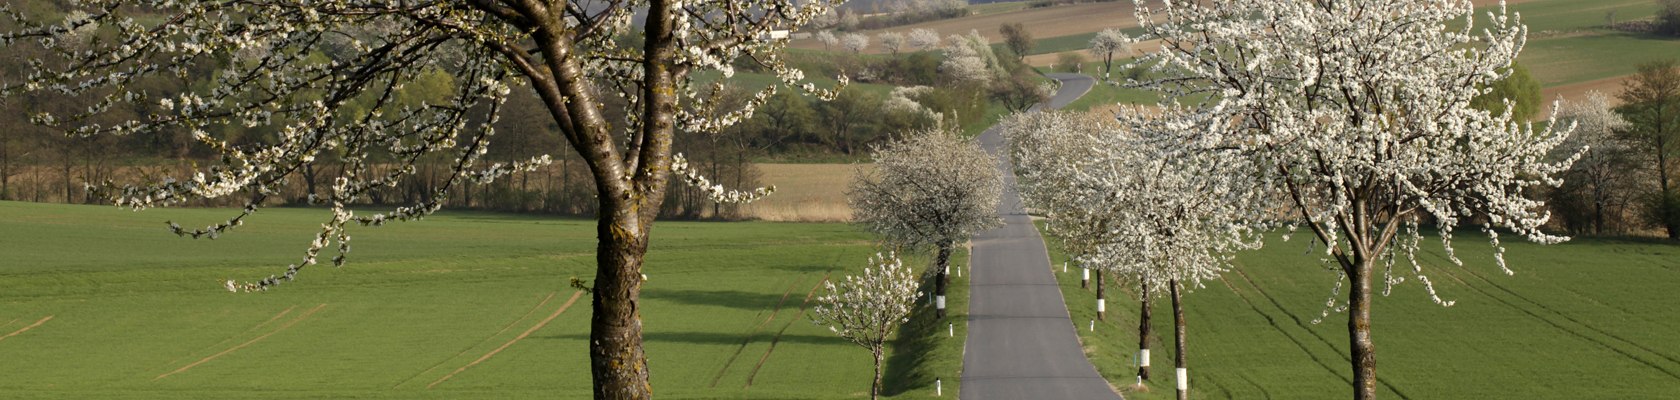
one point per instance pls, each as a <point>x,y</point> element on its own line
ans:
<point>1178,335</point>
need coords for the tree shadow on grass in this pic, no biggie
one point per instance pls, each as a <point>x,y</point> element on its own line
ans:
<point>916,346</point>
<point>716,338</point>
<point>720,298</point>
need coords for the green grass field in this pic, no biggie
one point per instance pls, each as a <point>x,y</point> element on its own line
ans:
<point>100,302</point>
<point>1590,317</point>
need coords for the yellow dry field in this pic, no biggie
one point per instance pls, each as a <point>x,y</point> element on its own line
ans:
<point>1041,22</point>
<point>1046,22</point>
<point>805,192</point>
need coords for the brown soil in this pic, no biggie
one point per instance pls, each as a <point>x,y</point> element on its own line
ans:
<point>516,339</point>
<point>1578,92</point>
<point>288,324</point>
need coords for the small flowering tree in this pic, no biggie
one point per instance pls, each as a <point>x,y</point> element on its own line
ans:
<point>1599,186</point>
<point>854,42</point>
<point>923,39</point>
<point>1358,112</point>
<point>865,309</point>
<point>827,39</point>
<point>324,76</point>
<point>892,41</point>
<point>931,189</point>
<point>1106,44</point>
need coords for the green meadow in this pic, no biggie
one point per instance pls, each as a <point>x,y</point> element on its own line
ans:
<point>1590,316</point>
<point>100,302</point>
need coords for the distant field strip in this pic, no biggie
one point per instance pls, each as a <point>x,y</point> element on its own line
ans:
<point>504,346</point>
<point>247,343</point>
<point>748,339</point>
<point>26,328</point>
<point>778,338</point>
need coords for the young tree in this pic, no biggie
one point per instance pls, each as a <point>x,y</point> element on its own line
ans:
<point>1598,186</point>
<point>931,189</point>
<point>865,309</point>
<point>1017,38</point>
<point>827,39</point>
<point>1106,44</point>
<point>1359,113</point>
<point>313,60</point>
<point>854,42</point>
<point>892,41</point>
<point>1651,104</point>
<point>923,39</point>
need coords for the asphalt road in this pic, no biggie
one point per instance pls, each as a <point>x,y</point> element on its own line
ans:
<point>1021,341</point>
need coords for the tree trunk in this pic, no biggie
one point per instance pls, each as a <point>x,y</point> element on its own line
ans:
<point>875,389</point>
<point>1665,210</point>
<point>1102,306</point>
<point>942,266</point>
<point>616,358</point>
<point>1178,342</point>
<point>1143,333</point>
<point>1359,330</point>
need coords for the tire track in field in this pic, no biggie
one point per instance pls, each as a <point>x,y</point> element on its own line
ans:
<point>247,331</point>
<point>8,323</point>
<point>26,328</point>
<point>754,331</point>
<point>1279,328</point>
<point>516,339</point>
<point>504,329</point>
<point>778,337</point>
<point>288,324</point>
<point>1561,327</point>
<point>1591,327</point>
<point>1345,356</point>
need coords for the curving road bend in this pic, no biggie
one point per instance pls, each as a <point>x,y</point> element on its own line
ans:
<point>1021,341</point>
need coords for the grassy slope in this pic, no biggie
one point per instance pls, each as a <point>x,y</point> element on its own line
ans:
<point>1589,316</point>
<point>130,302</point>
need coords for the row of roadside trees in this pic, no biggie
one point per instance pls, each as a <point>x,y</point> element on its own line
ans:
<point>1352,121</point>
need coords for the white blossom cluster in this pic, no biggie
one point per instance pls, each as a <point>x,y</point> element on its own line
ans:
<point>1125,197</point>
<point>326,78</point>
<point>970,59</point>
<point>922,39</point>
<point>933,188</point>
<point>865,308</point>
<point>902,100</point>
<point>680,166</point>
<point>1108,43</point>
<point>1358,113</point>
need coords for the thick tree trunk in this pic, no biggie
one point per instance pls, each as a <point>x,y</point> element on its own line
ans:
<point>1102,305</point>
<point>1359,331</point>
<point>1183,378</point>
<point>616,358</point>
<point>942,267</point>
<point>875,389</point>
<point>1143,333</point>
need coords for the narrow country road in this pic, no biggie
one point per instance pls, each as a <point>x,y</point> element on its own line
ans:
<point>1021,342</point>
